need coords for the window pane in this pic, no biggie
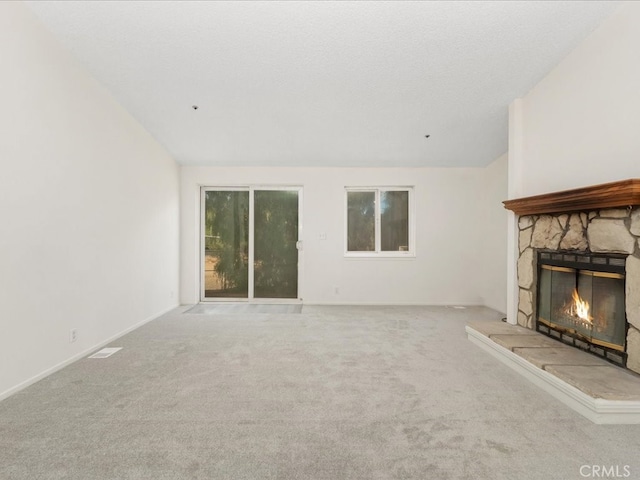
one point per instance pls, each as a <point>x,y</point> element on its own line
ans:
<point>226,237</point>
<point>394,221</point>
<point>275,236</point>
<point>361,225</point>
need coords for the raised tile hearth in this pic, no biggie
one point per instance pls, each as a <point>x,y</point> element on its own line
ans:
<point>598,390</point>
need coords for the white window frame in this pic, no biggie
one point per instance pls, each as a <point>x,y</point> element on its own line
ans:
<point>378,253</point>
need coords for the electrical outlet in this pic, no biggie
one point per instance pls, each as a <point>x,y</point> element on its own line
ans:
<point>336,290</point>
<point>73,335</point>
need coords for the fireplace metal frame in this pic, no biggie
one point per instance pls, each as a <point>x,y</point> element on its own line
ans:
<point>612,265</point>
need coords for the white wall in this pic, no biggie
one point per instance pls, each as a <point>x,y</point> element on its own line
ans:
<point>89,213</point>
<point>581,123</point>
<point>450,210</point>
<point>493,243</point>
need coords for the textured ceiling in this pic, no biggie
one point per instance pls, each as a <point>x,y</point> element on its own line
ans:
<point>323,83</point>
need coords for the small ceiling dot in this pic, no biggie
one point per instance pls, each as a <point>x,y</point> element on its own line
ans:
<point>195,107</point>
<point>427,136</point>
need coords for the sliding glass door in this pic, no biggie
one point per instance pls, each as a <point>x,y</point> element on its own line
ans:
<point>226,244</point>
<point>250,247</point>
<point>275,262</point>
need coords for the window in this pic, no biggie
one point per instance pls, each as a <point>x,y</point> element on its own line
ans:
<point>379,221</point>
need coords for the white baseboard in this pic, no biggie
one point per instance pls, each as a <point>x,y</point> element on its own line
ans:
<point>598,410</point>
<point>388,304</point>
<point>78,356</point>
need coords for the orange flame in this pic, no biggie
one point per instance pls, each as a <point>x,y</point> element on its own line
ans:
<point>580,307</point>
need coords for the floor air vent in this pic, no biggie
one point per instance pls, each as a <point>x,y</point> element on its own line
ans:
<point>105,352</point>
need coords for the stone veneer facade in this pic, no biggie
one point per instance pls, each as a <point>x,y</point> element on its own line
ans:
<point>600,231</point>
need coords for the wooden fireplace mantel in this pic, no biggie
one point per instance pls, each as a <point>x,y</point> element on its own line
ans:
<point>625,193</point>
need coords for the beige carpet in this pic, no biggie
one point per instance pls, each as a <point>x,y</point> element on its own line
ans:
<point>331,393</point>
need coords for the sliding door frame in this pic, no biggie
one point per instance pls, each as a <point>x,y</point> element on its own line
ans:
<point>251,257</point>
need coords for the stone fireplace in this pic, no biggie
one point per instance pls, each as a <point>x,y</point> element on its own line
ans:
<point>580,240</point>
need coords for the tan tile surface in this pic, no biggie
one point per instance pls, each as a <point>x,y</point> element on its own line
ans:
<point>594,376</point>
<point>560,355</point>
<point>514,341</point>
<point>497,328</point>
<point>608,382</point>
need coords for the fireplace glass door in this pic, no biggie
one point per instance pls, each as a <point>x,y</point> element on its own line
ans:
<point>588,304</point>
<point>604,292</point>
